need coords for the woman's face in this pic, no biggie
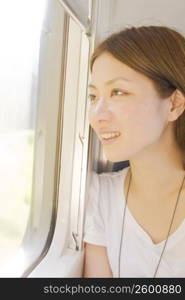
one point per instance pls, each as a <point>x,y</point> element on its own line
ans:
<point>125,101</point>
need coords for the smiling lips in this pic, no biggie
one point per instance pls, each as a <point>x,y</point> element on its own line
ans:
<point>107,138</point>
<point>110,135</point>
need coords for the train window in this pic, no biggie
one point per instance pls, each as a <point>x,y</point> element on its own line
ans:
<point>44,172</point>
<point>21,24</point>
<point>67,243</point>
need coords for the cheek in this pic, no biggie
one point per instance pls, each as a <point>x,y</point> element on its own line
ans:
<point>146,124</point>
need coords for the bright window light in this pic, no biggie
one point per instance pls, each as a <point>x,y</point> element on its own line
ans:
<point>21,24</point>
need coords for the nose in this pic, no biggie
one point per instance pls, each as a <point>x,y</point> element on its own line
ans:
<point>101,106</point>
<point>100,111</point>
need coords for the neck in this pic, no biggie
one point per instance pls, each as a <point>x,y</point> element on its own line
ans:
<point>160,175</point>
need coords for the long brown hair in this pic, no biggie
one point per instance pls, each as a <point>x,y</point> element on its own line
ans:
<point>158,52</point>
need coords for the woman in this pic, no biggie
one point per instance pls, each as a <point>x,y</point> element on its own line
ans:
<point>135,219</point>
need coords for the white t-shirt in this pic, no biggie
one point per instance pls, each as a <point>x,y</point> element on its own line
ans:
<point>139,255</point>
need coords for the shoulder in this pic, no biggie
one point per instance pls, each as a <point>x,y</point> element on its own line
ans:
<point>106,178</point>
<point>106,184</point>
<point>109,178</point>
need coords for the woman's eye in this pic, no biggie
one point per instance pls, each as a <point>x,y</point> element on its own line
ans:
<point>117,92</point>
<point>91,97</point>
<point>114,92</point>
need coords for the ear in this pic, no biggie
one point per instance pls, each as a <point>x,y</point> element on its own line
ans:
<point>177,105</point>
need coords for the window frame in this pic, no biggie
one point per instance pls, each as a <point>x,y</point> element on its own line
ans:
<point>65,255</point>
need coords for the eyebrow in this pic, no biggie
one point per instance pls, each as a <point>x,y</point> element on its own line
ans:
<point>110,81</point>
